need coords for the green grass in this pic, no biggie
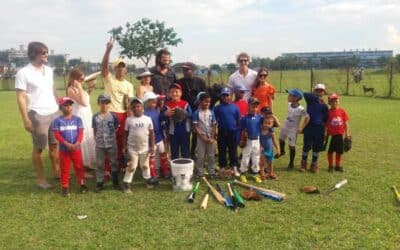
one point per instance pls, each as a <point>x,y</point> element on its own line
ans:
<point>362,215</point>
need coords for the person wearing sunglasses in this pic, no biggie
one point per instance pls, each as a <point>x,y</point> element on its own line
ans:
<point>244,75</point>
<point>263,90</point>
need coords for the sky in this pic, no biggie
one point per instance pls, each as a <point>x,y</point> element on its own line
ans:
<point>213,31</point>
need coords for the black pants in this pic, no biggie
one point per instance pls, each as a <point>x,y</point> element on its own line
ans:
<point>227,142</point>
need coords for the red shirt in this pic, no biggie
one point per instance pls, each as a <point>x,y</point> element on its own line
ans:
<point>172,104</point>
<point>264,95</point>
<point>242,105</point>
<point>336,119</point>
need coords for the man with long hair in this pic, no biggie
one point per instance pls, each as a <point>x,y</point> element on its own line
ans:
<point>163,76</point>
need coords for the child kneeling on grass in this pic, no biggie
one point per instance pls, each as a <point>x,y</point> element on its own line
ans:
<point>68,130</point>
<point>268,142</point>
<point>139,144</point>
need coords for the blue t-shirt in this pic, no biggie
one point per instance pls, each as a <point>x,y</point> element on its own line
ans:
<point>156,119</point>
<point>317,111</point>
<point>266,140</point>
<point>228,116</point>
<point>69,129</point>
<point>252,124</point>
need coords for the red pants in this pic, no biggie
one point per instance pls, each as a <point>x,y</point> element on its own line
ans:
<point>65,163</point>
<point>120,132</point>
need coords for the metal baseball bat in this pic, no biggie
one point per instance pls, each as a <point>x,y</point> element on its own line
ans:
<point>271,196</point>
<point>259,188</point>
<point>337,186</point>
<point>238,197</point>
<point>228,201</point>
<point>192,194</point>
<point>233,198</point>
<point>396,193</point>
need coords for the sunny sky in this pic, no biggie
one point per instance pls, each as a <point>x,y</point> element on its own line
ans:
<point>213,31</point>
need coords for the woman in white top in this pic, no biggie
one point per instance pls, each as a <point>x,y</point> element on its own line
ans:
<point>82,109</point>
<point>145,80</point>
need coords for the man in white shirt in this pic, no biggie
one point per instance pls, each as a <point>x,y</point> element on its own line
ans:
<point>244,75</point>
<point>36,98</point>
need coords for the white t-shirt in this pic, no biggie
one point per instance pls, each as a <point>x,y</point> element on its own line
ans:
<point>236,79</point>
<point>293,117</point>
<point>139,130</point>
<point>39,89</point>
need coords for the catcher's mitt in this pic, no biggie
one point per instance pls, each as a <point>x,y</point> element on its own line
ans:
<point>251,195</point>
<point>310,189</point>
<point>347,143</point>
<point>179,115</point>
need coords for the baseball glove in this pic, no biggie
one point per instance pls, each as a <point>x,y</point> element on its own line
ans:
<point>179,115</point>
<point>251,195</point>
<point>310,189</point>
<point>347,143</point>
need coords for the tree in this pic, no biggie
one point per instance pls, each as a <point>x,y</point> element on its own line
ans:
<point>142,39</point>
<point>215,67</point>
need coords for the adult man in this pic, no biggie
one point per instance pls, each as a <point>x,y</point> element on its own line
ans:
<point>163,75</point>
<point>36,98</point>
<point>119,89</point>
<point>244,75</point>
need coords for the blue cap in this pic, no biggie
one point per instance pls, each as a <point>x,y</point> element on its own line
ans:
<point>225,91</point>
<point>240,87</point>
<point>296,93</point>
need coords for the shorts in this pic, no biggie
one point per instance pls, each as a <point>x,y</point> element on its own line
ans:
<point>269,155</point>
<point>336,144</point>
<point>313,138</point>
<point>42,134</point>
<point>290,135</point>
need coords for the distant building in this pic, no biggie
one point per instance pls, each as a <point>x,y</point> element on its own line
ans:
<point>17,53</point>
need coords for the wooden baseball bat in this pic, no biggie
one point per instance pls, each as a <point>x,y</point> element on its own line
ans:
<point>233,198</point>
<point>396,193</point>
<point>228,201</point>
<point>215,193</point>
<point>259,188</point>
<point>92,76</point>
<point>204,203</point>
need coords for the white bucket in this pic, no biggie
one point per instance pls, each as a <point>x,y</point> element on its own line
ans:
<point>182,171</point>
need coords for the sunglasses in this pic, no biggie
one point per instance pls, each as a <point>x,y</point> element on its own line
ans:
<point>45,52</point>
<point>243,60</point>
<point>263,75</point>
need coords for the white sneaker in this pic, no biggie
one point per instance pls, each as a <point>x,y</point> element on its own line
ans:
<point>237,173</point>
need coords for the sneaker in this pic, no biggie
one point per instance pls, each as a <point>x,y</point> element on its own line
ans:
<point>290,166</point>
<point>45,186</point>
<point>149,183</point>
<point>339,169</point>
<point>236,171</point>
<point>257,178</point>
<point>271,176</point>
<point>127,188</point>
<point>314,167</point>
<point>262,176</point>
<point>303,166</point>
<point>153,181</point>
<point>64,192</point>
<point>330,169</point>
<point>243,178</point>
<point>99,187</point>
<point>83,189</point>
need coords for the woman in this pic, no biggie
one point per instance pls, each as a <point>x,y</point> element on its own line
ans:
<point>263,91</point>
<point>81,108</point>
<point>145,79</point>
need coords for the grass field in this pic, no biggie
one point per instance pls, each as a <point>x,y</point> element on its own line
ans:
<point>362,215</point>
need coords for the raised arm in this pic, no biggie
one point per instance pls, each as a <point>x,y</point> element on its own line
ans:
<point>77,93</point>
<point>106,58</point>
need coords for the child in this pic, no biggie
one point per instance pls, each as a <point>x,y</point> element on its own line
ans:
<point>68,130</point>
<point>250,125</point>
<point>159,161</point>
<point>205,127</point>
<point>105,125</point>
<point>240,102</point>
<point>139,144</point>
<point>315,130</point>
<point>336,127</point>
<point>228,117</point>
<point>291,127</point>
<point>179,113</point>
<point>266,112</point>
<point>268,142</point>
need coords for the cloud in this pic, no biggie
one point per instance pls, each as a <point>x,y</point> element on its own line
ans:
<point>393,37</point>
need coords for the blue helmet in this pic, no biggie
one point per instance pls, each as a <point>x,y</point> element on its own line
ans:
<point>296,93</point>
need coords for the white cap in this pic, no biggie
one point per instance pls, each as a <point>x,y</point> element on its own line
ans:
<point>149,96</point>
<point>320,86</point>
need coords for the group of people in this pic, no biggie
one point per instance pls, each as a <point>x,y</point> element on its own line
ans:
<point>140,129</point>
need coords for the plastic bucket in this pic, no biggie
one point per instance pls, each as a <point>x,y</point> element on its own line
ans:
<point>182,172</point>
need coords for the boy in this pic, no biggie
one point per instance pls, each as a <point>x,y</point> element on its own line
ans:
<point>138,143</point>
<point>291,127</point>
<point>336,127</point>
<point>250,125</point>
<point>68,130</point>
<point>240,102</point>
<point>268,142</point>
<point>105,125</point>
<point>159,161</point>
<point>179,113</point>
<point>315,130</point>
<point>228,118</point>
<point>205,127</point>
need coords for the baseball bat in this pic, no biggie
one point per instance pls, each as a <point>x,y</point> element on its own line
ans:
<point>228,201</point>
<point>238,197</point>
<point>92,76</point>
<point>259,188</point>
<point>192,194</point>
<point>215,193</point>
<point>204,203</point>
<point>271,196</point>
<point>234,201</point>
<point>337,186</point>
<point>396,193</point>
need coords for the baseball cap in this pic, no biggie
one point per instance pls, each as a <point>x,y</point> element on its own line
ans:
<point>149,96</point>
<point>64,100</point>
<point>333,96</point>
<point>225,91</point>
<point>241,87</point>
<point>103,98</point>
<point>143,74</point>
<point>135,99</point>
<point>175,86</point>
<point>188,65</point>
<point>320,86</point>
<point>296,93</point>
<point>118,61</point>
<point>253,100</point>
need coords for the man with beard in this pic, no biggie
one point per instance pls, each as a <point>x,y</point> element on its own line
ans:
<point>191,87</point>
<point>163,75</point>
